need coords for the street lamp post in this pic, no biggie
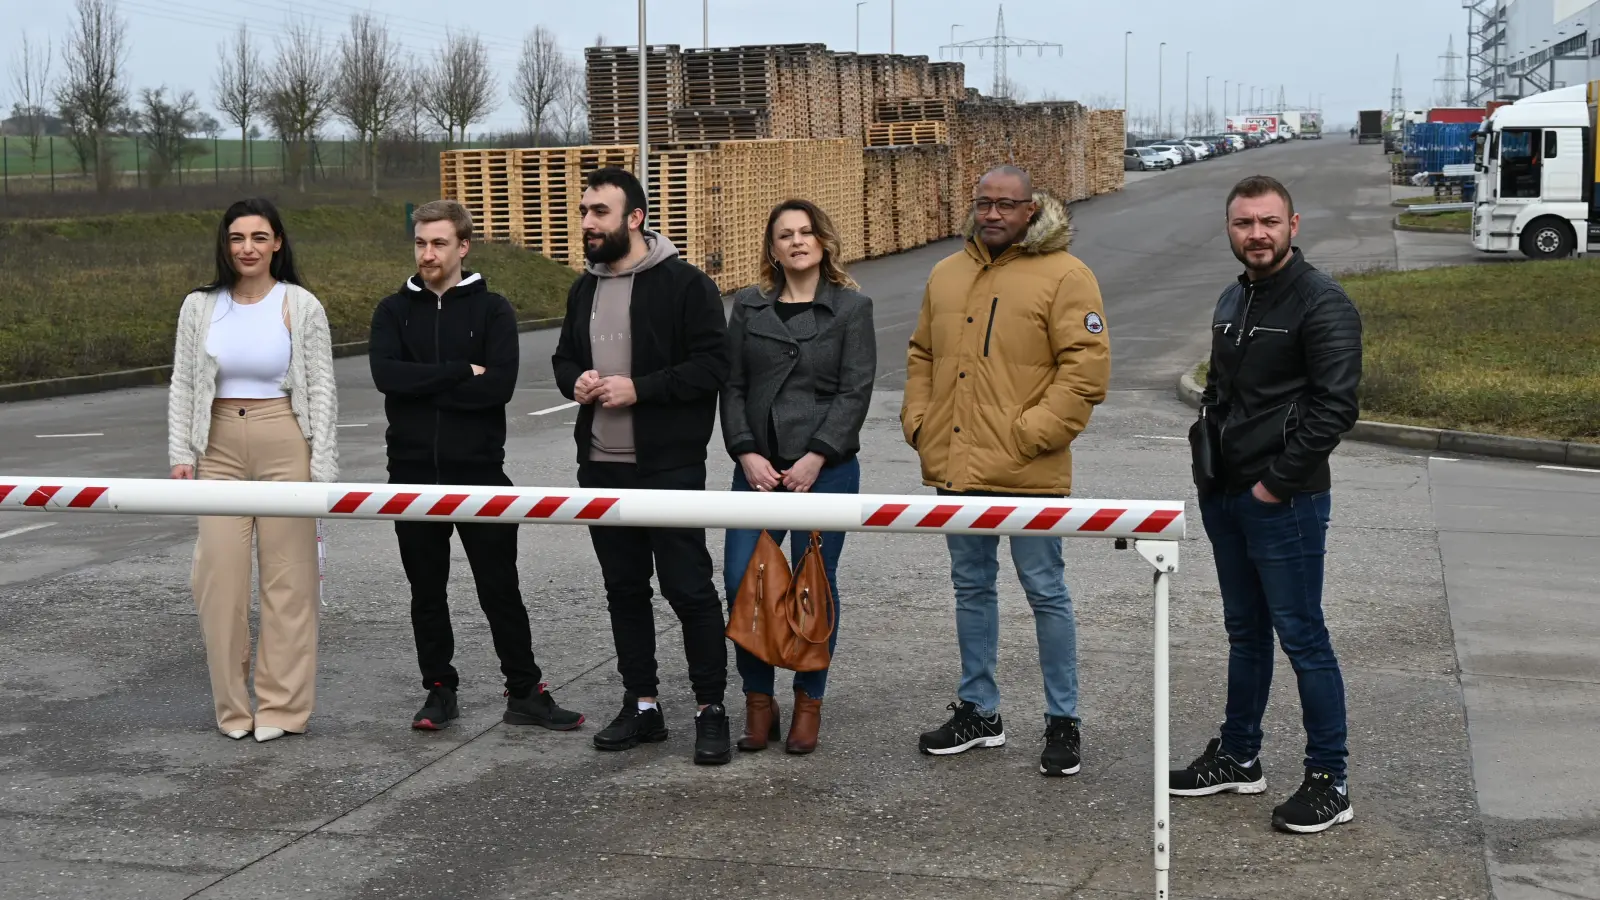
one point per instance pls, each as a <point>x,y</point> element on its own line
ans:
<point>1161,87</point>
<point>1208,103</point>
<point>705,24</point>
<point>644,106</point>
<point>891,26</point>
<point>1225,83</point>
<point>1125,121</point>
<point>953,32</point>
<point>858,24</point>
<point>1186,55</point>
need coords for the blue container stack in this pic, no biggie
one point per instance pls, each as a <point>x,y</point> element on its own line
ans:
<point>1434,145</point>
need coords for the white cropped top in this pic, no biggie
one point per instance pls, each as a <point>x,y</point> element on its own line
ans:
<point>251,345</point>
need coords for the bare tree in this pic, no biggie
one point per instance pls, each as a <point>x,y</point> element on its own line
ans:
<point>460,89</point>
<point>30,78</point>
<point>93,91</point>
<point>1103,101</point>
<point>299,94</point>
<point>539,79</point>
<point>370,93</point>
<point>164,126</point>
<point>572,106</point>
<point>239,90</point>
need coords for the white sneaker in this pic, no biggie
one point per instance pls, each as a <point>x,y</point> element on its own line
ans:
<point>266,733</point>
<point>239,734</point>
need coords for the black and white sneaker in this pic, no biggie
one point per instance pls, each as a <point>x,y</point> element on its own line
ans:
<point>438,711</point>
<point>965,730</point>
<point>1061,745</point>
<point>1319,805</point>
<point>1216,772</point>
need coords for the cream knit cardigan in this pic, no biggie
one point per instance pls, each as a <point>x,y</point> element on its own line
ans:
<point>310,385</point>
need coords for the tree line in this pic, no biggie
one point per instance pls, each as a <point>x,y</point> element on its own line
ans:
<point>366,81</point>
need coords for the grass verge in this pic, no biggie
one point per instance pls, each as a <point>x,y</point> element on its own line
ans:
<point>1457,222</point>
<point>91,295</point>
<point>1504,349</point>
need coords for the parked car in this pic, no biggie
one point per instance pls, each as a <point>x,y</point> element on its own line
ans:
<point>1170,152</point>
<point>1201,149</point>
<point>1236,141</point>
<point>1150,158</point>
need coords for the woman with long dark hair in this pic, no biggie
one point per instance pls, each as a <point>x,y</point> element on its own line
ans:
<point>803,357</point>
<point>253,399</point>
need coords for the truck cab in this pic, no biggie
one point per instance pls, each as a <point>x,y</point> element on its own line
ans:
<point>1536,174</point>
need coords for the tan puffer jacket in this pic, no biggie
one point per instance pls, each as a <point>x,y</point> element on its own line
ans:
<point>1009,358</point>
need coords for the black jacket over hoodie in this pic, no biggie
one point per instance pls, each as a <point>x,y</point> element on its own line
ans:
<point>1281,388</point>
<point>444,422</point>
<point>680,362</point>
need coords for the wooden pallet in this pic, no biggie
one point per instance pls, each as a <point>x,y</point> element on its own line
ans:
<point>719,123</point>
<point>914,109</point>
<point>894,134</point>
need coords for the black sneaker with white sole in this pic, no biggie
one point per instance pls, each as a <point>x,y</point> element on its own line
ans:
<point>1319,805</point>
<point>1062,741</point>
<point>1216,772</point>
<point>437,710</point>
<point>965,730</point>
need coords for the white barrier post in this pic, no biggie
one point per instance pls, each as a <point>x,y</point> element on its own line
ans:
<point>1154,526</point>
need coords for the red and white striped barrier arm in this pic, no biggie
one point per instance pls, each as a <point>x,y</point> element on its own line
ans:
<point>1136,519</point>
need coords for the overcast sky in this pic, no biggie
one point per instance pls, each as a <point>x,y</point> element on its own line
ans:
<point>1342,50</point>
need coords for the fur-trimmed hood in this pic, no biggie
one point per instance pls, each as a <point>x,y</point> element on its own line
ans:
<point>1050,231</point>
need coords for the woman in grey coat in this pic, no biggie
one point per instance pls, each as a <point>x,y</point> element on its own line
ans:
<point>804,356</point>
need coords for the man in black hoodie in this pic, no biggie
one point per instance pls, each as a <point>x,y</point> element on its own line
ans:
<point>1280,392</point>
<point>643,349</point>
<point>444,354</point>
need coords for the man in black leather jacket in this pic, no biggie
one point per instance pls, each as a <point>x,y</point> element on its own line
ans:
<point>1280,392</point>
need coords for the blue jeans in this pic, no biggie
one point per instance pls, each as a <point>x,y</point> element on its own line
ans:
<point>974,566</point>
<point>760,678</point>
<point>1269,566</point>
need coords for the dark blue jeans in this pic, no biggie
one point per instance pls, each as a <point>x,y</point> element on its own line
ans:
<point>759,677</point>
<point>1269,565</point>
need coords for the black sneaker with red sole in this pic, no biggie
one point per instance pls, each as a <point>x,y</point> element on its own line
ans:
<point>539,708</point>
<point>435,715</point>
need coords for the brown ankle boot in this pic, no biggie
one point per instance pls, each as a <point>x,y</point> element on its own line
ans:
<point>803,728</point>
<point>760,722</point>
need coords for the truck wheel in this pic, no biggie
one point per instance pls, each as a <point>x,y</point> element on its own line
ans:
<point>1548,238</point>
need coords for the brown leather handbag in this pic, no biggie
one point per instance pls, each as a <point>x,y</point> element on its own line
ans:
<point>784,620</point>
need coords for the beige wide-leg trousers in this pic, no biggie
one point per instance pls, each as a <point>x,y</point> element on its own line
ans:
<point>258,440</point>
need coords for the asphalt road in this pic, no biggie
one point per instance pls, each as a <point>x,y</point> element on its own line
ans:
<point>115,784</point>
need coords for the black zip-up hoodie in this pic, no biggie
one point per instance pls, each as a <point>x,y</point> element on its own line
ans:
<point>1282,386</point>
<point>445,422</point>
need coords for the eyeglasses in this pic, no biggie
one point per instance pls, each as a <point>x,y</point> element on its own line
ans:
<point>1005,205</point>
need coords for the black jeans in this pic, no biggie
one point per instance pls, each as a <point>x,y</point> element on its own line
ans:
<point>629,556</point>
<point>492,554</point>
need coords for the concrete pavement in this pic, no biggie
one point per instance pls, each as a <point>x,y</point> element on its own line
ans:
<point>116,785</point>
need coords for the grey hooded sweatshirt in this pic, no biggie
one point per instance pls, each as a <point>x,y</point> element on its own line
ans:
<point>611,337</point>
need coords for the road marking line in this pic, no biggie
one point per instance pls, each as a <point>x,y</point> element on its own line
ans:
<point>84,434</point>
<point>355,425</point>
<point>1571,469</point>
<point>25,529</point>
<point>553,409</point>
<point>1444,459</point>
<point>1159,437</point>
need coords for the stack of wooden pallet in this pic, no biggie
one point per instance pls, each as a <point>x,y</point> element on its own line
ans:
<point>613,83</point>
<point>1053,141</point>
<point>1108,137</point>
<point>894,134</point>
<point>711,202</point>
<point>855,95</point>
<point>949,80</point>
<point>700,124</point>
<point>908,199</point>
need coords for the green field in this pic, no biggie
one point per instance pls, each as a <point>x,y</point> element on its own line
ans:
<point>90,295</point>
<point>1457,222</point>
<point>1504,349</point>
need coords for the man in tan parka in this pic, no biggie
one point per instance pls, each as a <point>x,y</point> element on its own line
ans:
<point>1009,357</point>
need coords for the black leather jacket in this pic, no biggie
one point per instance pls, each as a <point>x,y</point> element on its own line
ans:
<point>1281,387</point>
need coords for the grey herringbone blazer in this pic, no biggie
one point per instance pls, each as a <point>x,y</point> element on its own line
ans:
<point>812,375</point>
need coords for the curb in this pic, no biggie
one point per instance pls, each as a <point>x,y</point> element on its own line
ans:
<point>1417,229</point>
<point>1414,437</point>
<point>159,375</point>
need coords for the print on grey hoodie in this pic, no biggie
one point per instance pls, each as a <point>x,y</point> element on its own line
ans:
<point>611,336</point>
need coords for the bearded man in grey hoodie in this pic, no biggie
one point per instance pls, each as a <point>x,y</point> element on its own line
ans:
<point>643,349</point>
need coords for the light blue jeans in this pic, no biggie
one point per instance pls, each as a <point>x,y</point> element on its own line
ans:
<point>974,566</point>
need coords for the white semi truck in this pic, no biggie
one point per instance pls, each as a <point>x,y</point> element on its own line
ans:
<point>1535,176</point>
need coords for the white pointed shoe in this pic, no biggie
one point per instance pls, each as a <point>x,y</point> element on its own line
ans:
<point>239,734</point>
<point>266,733</point>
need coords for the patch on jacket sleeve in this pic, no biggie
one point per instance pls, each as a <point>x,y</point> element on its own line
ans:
<point>1093,322</point>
